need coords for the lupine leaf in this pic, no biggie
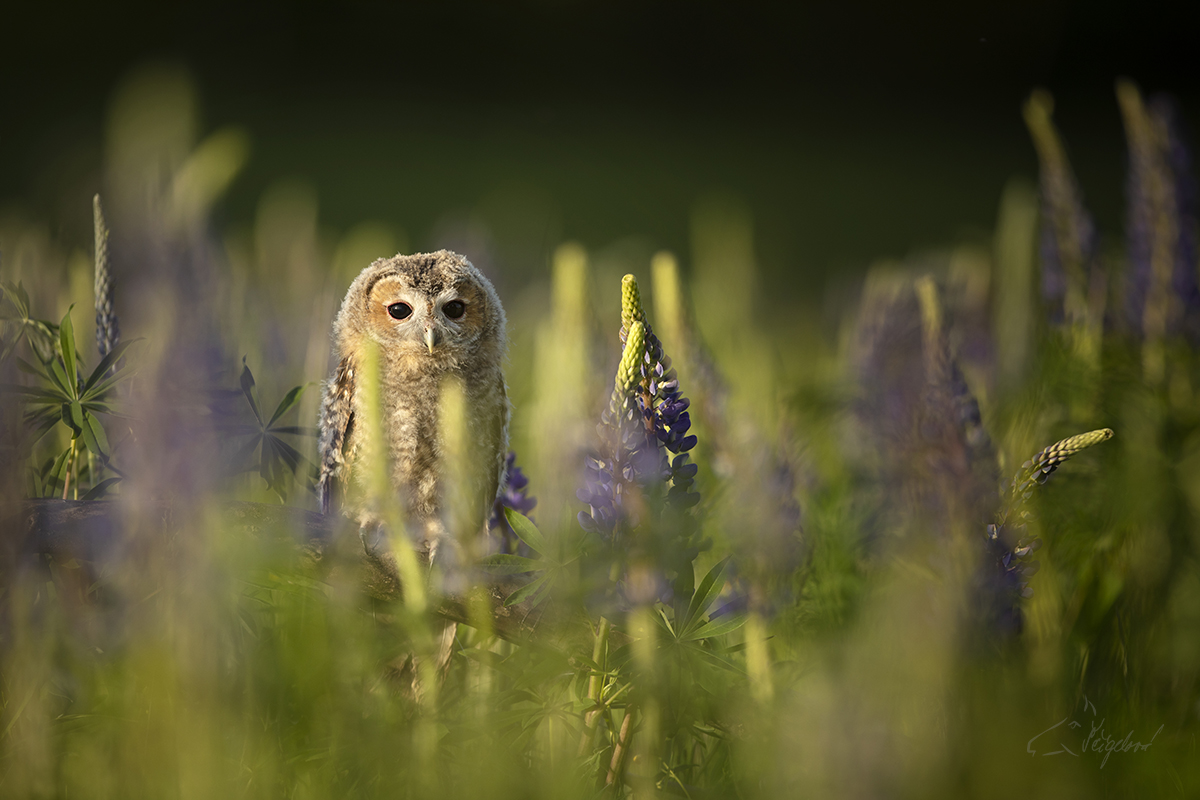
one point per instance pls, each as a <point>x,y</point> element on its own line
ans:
<point>100,390</point>
<point>506,564</point>
<point>59,376</point>
<point>89,437</point>
<point>247,383</point>
<point>76,416</point>
<point>38,394</point>
<point>716,627</point>
<point>100,489</point>
<point>106,363</point>
<point>289,454</point>
<point>94,435</point>
<point>30,369</point>
<point>528,589</point>
<point>297,430</point>
<point>526,531</point>
<point>290,399</point>
<point>706,593</point>
<point>66,335</point>
<point>60,465</point>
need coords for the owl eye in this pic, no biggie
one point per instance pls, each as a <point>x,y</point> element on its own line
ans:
<point>400,310</point>
<point>454,309</point>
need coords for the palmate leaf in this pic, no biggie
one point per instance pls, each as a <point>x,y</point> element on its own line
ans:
<point>276,457</point>
<point>40,333</point>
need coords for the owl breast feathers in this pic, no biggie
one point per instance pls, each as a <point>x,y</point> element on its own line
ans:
<point>434,319</point>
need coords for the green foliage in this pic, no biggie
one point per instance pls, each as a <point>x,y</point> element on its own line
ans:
<point>63,395</point>
<point>19,326</point>
<point>278,462</point>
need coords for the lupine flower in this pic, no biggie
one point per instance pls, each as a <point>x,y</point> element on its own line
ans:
<point>630,457</point>
<point>642,473</point>
<point>512,495</point>
<point>1009,545</point>
<point>922,426</point>
<point>1162,294</point>
<point>108,334</point>
<point>1068,238</point>
<point>660,400</point>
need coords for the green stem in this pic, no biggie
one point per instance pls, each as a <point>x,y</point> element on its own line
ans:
<point>616,767</point>
<point>595,685</point>
<point>70,467</point>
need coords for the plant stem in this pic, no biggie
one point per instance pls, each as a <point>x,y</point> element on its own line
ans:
<point>595,686</point>
<point>617,765</point>
<point>70,467</point>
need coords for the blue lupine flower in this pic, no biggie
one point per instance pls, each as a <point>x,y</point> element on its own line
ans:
<point>1162,295</point>
<point>512,495</point>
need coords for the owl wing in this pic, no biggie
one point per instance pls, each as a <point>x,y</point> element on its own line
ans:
<point>337,422</point>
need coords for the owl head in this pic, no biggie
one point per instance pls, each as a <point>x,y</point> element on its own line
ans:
<point>428,310</point>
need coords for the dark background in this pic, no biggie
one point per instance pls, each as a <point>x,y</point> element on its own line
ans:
<point>851,131</point>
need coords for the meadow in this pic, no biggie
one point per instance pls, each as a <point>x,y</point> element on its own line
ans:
<point>935,538</point>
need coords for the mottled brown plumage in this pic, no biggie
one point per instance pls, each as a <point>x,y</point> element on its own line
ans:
<point>435,318</point>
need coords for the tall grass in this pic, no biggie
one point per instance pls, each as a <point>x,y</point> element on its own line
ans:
<point>855,580</point>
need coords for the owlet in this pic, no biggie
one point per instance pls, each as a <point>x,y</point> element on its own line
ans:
<point>435,320</point>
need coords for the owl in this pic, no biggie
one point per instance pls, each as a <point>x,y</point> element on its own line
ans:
<point>435,318</point>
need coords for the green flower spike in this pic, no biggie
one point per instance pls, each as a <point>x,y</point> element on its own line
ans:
<point>629,374</point>
<point>631,305</point>
<point>1038,468</point>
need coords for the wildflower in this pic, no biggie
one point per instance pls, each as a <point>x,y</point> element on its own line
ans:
<point>108,334</point>
<point>1162,294</point>
<point>643,473</point>
<point>630,458</point>
<point>512,495</point>
<point>1009,545</point>
<point>1068,239</point>
<point>661,402</point>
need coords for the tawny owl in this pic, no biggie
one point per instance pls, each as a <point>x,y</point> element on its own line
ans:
<point>434,317</point>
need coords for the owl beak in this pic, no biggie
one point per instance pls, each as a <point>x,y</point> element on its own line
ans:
<point>430,339</point>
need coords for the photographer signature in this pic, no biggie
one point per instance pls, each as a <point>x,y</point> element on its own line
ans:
<point>1098,740</point>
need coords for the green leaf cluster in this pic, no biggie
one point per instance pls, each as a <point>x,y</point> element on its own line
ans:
<point>63,395</point>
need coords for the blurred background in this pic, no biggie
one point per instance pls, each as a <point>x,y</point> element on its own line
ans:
<point>850,131</point>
